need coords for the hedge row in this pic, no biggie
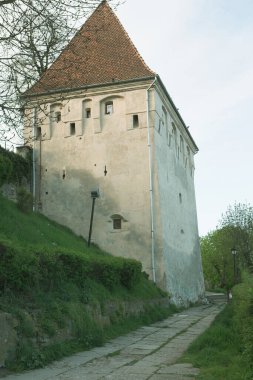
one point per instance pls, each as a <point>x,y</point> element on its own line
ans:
<point>22,269</point>
<point>13,167</point>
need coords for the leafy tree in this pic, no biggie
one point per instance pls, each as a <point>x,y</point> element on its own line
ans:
<point>235,230</point>
<point>240,217</point>
<point>217,259</point>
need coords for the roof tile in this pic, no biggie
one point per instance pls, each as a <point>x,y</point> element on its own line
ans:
<point>101,52</point>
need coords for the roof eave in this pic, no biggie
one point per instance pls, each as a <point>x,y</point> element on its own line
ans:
<point>177,112</point>
<point>80,88</point>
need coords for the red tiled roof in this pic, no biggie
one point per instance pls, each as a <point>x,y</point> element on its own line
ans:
<point>101,52</point>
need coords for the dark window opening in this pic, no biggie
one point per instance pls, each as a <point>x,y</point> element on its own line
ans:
<point>58,116</point>
<point>88,113</point>
<point>117,224</point>
<point>38,133</point>
<point>63,174</point>
<point>180,197</point>
<point>72,129</point>
<point>109,108</point>
<point>135,121</point>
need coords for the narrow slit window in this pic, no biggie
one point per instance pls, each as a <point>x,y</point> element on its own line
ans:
<point>88,113</point>
<point>135,121</point>
<point>109,108</point>
<point>160,126</point>
<point>58,116</point>
<point>38,133</point>
<point>72,129</point>
<point>117,224</point>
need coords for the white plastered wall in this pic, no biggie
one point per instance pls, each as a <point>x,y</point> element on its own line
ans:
<point>177,239</point>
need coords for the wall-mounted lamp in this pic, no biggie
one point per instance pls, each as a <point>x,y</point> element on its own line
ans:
<point>94,195</point>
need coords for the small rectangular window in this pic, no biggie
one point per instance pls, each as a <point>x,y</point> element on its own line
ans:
<point>88,113</point>
<point>135,121</point>
<point>38,133</point>
<point>72,129</point>
<point>109,108</point>
<point>117,224</point>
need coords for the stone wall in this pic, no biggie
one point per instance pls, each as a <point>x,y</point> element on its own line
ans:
<point>103,315</point>
<point>9,190</point>
<point>8,337</point>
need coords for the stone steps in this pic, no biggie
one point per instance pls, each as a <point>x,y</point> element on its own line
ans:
<point>216,298</point>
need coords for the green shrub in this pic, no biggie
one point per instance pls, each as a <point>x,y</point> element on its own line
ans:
<point>243,306</point>
<point>21,269</point>
<point>130,273</point>
<point>14,166</point>
<point>24,200</point>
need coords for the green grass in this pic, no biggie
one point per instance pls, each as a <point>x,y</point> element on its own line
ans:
<point>218,352</point>
<point>48,276</point>
<point>36,230</point>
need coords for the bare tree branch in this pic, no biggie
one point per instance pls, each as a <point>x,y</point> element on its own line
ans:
<point>32,34</point>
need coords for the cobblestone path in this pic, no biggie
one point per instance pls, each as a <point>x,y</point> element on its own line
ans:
<point>147,353</point>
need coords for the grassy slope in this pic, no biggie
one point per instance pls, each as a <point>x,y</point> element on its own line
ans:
<point>46,309</point>
<point>36,230</point>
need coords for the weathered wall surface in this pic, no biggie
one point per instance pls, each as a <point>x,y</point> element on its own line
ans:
<point>177,236</point>
<point>107,153</point>
<point>80,148</point>
<point>9,190</point>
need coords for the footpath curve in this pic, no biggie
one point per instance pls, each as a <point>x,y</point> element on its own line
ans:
<point>147,353</point>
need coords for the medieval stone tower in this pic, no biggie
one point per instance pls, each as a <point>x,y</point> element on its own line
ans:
<point>102,120</point>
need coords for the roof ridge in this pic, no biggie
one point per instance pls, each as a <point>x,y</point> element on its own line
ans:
<point>127,35</point>
<point>101,51</point>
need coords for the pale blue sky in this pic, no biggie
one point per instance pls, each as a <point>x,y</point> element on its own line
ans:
<point>203,52</point>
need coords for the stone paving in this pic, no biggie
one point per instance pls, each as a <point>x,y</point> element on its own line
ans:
<point>150,352</point>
